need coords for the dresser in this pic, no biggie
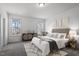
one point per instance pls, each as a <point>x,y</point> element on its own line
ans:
<point>72,43</point>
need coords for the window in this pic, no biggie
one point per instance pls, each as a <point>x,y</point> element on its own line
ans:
<point>15,25</point>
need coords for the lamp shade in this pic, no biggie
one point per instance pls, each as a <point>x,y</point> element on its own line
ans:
<point>72,33</point>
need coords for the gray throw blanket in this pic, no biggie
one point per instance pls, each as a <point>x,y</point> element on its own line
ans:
<point>53,45</point>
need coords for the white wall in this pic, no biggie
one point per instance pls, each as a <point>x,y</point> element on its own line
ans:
<point>28,25</point>
<point>73,15</point>
<point>27,22</point>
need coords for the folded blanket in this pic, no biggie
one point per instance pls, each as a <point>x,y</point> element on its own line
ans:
<point>53,45</point>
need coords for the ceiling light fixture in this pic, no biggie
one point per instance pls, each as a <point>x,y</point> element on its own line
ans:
<point>41,4</point>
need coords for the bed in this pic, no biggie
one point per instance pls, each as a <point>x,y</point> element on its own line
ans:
<point>60,42</point>
<point>53,41</point>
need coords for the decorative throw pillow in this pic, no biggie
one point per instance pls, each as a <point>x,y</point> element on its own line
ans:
<point>62,35</point>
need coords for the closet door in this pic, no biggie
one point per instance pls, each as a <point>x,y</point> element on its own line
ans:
<point>37,27</point>
<point>40,28</point>
<point>1,31</point>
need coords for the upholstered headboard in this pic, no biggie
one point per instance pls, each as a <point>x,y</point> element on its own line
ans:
<point>61,30</point>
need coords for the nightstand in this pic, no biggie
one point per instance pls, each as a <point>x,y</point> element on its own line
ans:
<point>72,43</point>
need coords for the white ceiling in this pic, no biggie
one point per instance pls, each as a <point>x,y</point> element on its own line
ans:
<point>31,9</point>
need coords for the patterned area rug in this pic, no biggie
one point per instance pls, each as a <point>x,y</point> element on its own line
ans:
<point>32,50</point>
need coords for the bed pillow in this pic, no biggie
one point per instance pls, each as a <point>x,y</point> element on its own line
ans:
<point>62,35</point>
<point>53,35</point>
<point>49,34</point>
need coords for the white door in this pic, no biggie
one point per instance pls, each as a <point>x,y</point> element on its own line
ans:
<point>0,30</point>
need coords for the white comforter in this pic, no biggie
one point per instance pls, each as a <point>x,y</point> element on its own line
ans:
<point>60,42</point>
<point>43,43</point>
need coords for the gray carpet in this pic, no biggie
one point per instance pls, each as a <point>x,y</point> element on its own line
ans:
<point>13,49</point>
<point>17,49</point>
<point>71,52</point>
<point>32,50</point>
